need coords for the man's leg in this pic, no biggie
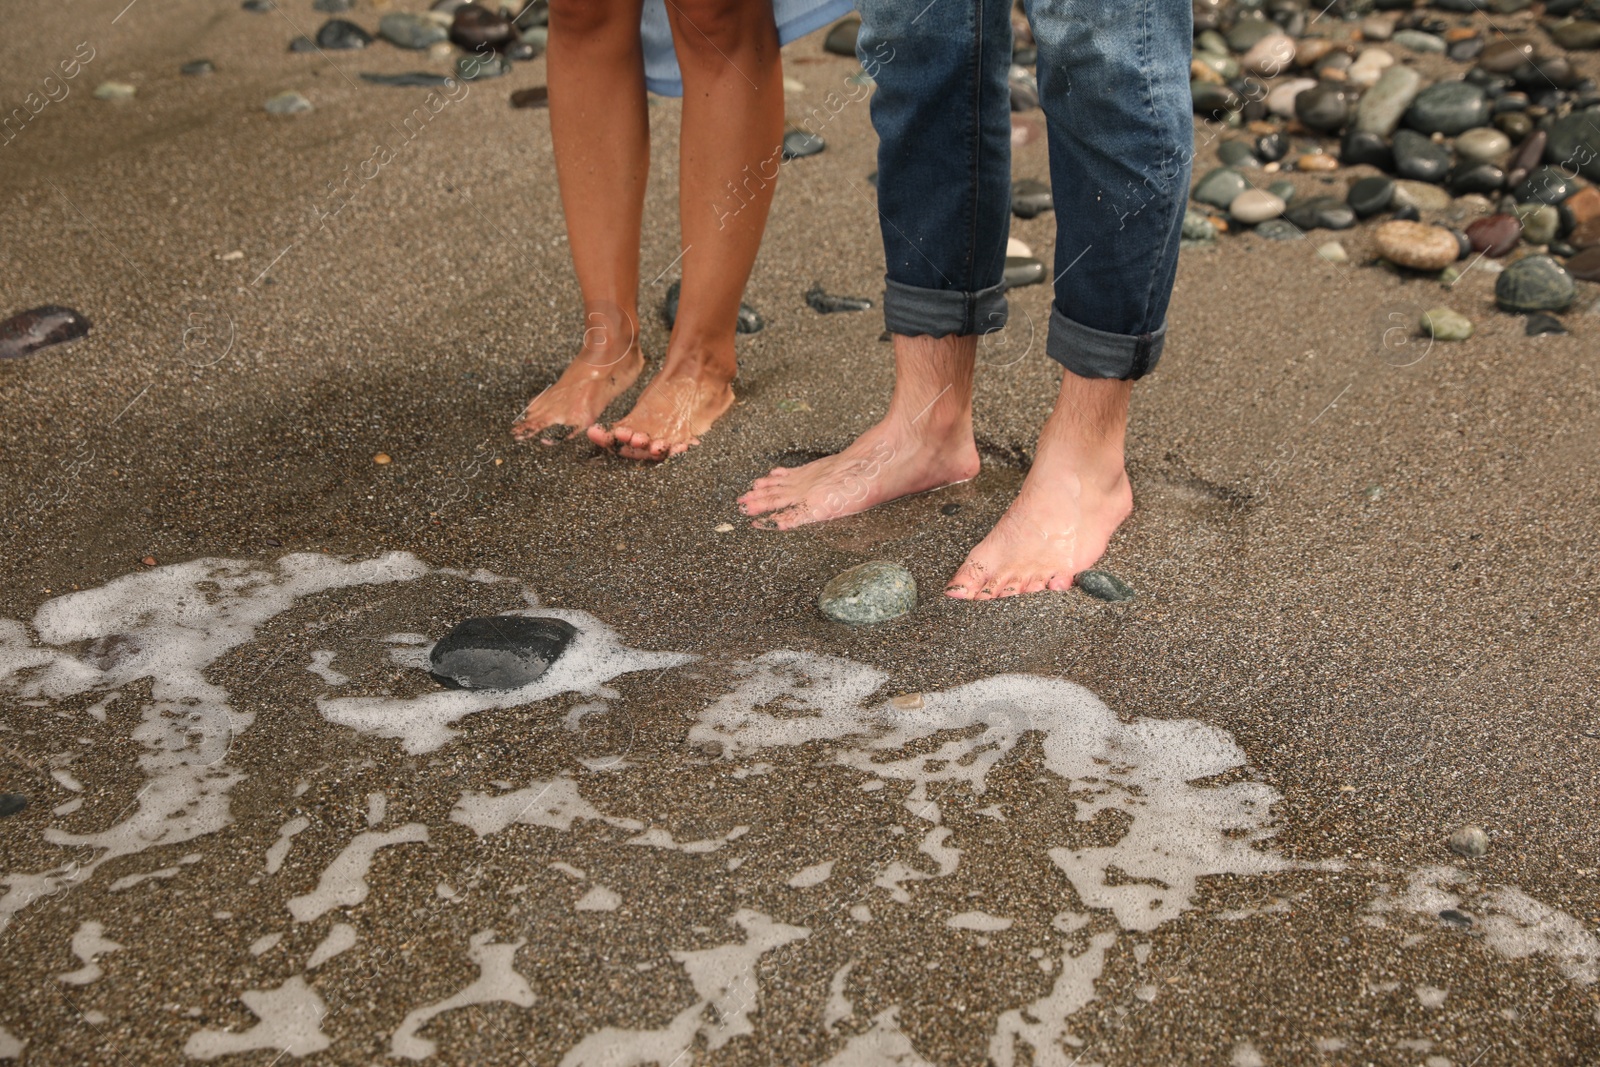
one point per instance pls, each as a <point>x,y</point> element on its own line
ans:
<point>1114,83</point>
<point>596,72</point>
<point>732,137</point>
<point>942,111</point>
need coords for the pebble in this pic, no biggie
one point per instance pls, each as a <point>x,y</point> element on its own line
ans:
<point>1281,97</point>
<point>1377,28</point>
<point>1483,144</point>
<point>798,144</point>
<point>1535,283</point>
<point>408,30</point>
<point>1022,270</point>
<point>11,803</point>
<point>1444,324</point>
<point>841,40</point>
<point>1495,235</point>
<point>331,7</point>
<point>1317,162</point>
<point>260,7</point>
<point>1254,206</point>
<point>1469,841</point>
<point>1368,68</point>
<point>382,459</point>
<point>1448,107</point>
<point>1250,30</point>
<point>1103,586</point>
<point>1506,55</point>
<point>1418,41</point>
<point>409,79</point>
<point>1586,235</point>
<point>28,331</point>
<point>342,35</point>
<point>1197,226</point>
<point>1283,189</point>
<point>1370,196</point>
<point>1031,198</point>
<point>1580,207</point>
<point>533,96</point>
<point>1024,89</point>
<point>1459,919</point>
<point>197,67</point>
<point>1216,102</point>
<point>1270,56</point>
<point>114,91</point>
<point>1279,230</point>
<point>1333,252</point>
<point>499,651</point>
<point>477,67</point>
<point>1420,195</point>
<point>1417,245</point>
<point>1585,265</point>
<point>1546,184</point>
<point>1469,177</point>
<point>302,44</point>
<point>1541,323</point>
<point>1417,157</point>
<point>872,593</point>
<point>1322,213</point>
<point>824,303</point>
<point>1326,106</point>
<point>1015,247</point>
<point>1575,139</point>
<point>1384,105</point>
<point>289,103</point>
<point>1365,149</point>
<point>1237,154</point>
<point>1271,147</point>
<point>1539,223</point>
<point>1217,188</point>
<point>1582,34</point>
<point>474,26</point>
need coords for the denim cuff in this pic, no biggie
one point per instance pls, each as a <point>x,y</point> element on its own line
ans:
<point>1091,353</point>
<point>915,312</point>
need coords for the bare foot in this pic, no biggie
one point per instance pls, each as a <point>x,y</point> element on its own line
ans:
<point>924,442</point>
<point>575,401</point>
<point>1074,498</point>
<point>680,403</point>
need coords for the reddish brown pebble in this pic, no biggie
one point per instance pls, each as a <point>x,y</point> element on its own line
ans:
<point>1584,205</point>
<point>1496,235</point>
<point>149,561</point>
<point>1586,235</point>
<point>1585,266</point>
<point>381,458</point>
<point>1317,161</point>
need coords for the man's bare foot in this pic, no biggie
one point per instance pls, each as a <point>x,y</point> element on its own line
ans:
<point>1074,498</point>
<point>924,442</point>
<point>590,382</point>
<point>681,402</point>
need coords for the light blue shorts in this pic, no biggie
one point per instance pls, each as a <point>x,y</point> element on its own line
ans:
<point>795,18</point>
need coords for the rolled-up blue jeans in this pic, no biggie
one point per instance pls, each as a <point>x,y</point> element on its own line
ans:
<point>1114,86</point>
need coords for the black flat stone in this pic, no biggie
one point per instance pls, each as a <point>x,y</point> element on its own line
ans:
<point>1030,198</point>
<point>1469,177</point>
<point>28,331</point>
<point>1541,322</point>
<point>1366,148</point>
<point>798,144</point>
<point>749,321</point>
<point>11,803</point>
<point>1417,157</point>
<point>1103,586</point>
<point>825,303</point>
<point>499,651</point>
<point>1370,196</point>
<point>412,78</point>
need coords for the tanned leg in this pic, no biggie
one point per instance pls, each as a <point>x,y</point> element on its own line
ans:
<point>596,75</point>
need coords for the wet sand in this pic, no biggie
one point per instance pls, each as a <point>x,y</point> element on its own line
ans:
<point>1370,565</point>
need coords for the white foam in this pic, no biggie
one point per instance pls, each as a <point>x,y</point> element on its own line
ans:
<point>1431,996</point>
<point>810,876</point>
<point>656,837</point>
<point>497,981</point>
<point>167,625</point>
<point>568,869</point>
<point>555,804</point>
<point>377,808</point>
<point>599,898</point>
<point>1245,1054</point>
<point>322,666</point>
<point>279,849</point>
<point>1329,1044</point>
<point>291,1022</point>
<point>1042,1025</point>
<point>88,943</point>
<point>10,1045</point>
<point>978,920</point>
<point>344,881</point>
<point>66,781</point>
<point>838,1008</point>
<point>68,808</point>
<point>341,937</point>
<point>131,880</point>
<point>724,980</point>
<point>425,722</point>
<point>265,943</point>
<point>883,1045</point>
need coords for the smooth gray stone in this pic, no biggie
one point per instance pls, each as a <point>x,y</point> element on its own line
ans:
<point>841,40</point>
<point>825,303</point>
<point>1197,226</point>
<point>1418,158</point>
<point>11,803</point>
<point>1449,108</point>
<point>342,35</point>
<point>1322,213</point>
<point>1103,586</point>
<point>1418,41</point>
<point>1547,184</point>
<point>1031,198</point>
<point>499,651</point>
<point>872,593</point>
<point>196,67</point>
<point>477,67</point>
<point>412,31</point>
<point>411,78</point>
<point>1581,35</point>
<point>1371,196</point>
<point>1535,283</point>
<point>1469,841</point>
<point>1325,106</point>
<point>289,103</point>
<point>1022,270</point>
<point>1380,110</point>
<point>1217,188</point>
<point>798,144</point>
<point>1575,140</point>
<point>1279,230</point>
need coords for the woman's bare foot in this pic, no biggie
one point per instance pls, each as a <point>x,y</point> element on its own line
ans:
<point>1074,498</point>
<point>924,442</point>
<point>681,402</point>
<point>571,405</point>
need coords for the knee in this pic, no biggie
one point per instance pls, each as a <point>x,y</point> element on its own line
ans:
<point>580,20</point>
<point>719,27</point>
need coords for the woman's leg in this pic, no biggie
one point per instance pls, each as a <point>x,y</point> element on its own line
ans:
<point>601,131</point>
<point>732,133</point>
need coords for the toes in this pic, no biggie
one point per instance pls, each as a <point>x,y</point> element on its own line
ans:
<point>1060,583</point>
<point>966,583</point>
<point>1035,585</point>
<point>602,436</point>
